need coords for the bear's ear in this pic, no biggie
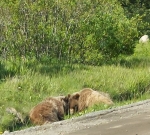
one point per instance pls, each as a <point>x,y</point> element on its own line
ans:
<point>64,99</point>
<point>76,96</point>
<point>69,95</point>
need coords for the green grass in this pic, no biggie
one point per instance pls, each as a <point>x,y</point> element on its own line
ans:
<point>27,83</point>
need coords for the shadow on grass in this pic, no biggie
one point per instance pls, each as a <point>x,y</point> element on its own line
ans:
<point>135,62</point>
<point>128,62</point>
<point>4,72</point>
<point>140,89</point>
<point>56,67</point>
<point>124,61</point>
<point>51,68</point>
<point>12,67</point>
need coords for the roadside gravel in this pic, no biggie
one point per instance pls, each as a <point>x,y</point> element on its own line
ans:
<point>87,121</point>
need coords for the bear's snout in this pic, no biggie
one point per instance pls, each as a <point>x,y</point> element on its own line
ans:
<point>71,111</point>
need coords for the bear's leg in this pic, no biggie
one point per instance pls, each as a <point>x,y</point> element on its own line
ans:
<point>60,115</point>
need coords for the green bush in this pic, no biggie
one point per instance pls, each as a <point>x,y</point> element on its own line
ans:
<point>72,31</point>
<point>133,8</point>
<point>109,31</point>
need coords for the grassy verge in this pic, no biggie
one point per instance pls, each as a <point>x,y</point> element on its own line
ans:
<point>127,80</point>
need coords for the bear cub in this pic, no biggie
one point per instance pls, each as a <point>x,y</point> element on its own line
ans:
<point>85,98</point>
<point>50,110</point>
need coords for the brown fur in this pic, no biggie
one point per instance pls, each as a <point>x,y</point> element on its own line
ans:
<point>87,98</point>
<point>50,110</point>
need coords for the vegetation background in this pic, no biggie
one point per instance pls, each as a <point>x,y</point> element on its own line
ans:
<point>56,47</point>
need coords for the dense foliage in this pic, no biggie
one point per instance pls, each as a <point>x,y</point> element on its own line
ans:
<point>138,7</point>
<point>71,31</point>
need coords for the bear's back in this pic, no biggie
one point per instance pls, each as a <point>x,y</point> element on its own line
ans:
<point>49,110</point>
<point>99,97</point>
<point>85,95</point>
<point>89,97</point>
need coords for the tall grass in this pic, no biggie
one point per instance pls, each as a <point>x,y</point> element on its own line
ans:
<point>28,82</point>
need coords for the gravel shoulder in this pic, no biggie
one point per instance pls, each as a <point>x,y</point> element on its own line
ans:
<point>99,122</point>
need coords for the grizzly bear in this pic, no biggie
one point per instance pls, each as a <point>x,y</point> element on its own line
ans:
<point>50,110</point>
<point>85,98</point>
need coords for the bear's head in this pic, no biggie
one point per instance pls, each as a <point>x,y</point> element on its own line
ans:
<point>65,102</point>
<point>73,101</point>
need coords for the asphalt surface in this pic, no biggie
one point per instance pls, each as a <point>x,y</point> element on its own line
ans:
<point>133,119</point>
<point>122,124</point>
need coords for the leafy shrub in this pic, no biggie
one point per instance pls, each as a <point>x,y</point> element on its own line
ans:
<point>74,31</point>
<point>112,33</point>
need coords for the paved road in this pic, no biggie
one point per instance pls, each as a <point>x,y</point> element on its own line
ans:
<point>131,119</point>
<point>121,124</point>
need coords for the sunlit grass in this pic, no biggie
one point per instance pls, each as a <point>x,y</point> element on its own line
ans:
<point>27,84</point>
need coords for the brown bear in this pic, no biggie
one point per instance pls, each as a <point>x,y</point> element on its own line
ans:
<point>85,98</point>
<point>50,110</point>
